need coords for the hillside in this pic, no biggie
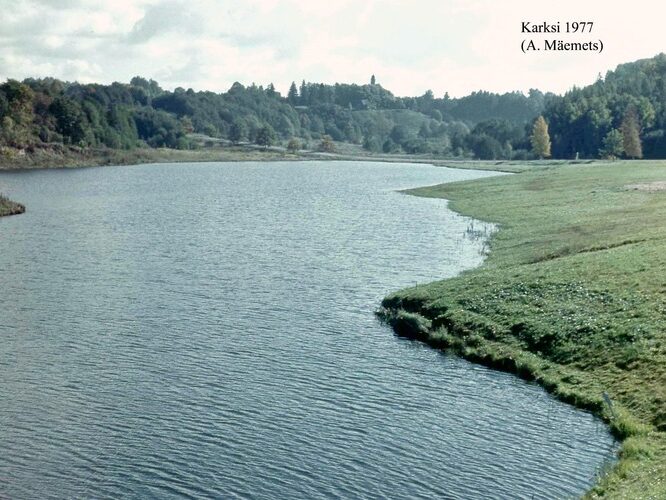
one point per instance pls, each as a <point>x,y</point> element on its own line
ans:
<point>38,113</point>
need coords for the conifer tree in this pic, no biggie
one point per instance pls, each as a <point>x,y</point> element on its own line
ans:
<point>304,93</point>
<point>613,145</point>
<point>292,96</point>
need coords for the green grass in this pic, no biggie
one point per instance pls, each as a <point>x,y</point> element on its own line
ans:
<point>573,295</point>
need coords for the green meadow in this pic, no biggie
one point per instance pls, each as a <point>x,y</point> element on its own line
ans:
<point>571,295</point>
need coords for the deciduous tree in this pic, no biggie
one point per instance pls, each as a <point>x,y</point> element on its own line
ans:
<point>294,145</point>
<point>238,132</point>
<point>265,136</point>
<point>326,145</point>
<point>540,139</point>
<point>630,128</point>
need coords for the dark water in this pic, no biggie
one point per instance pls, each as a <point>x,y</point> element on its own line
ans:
<point>207,330</point>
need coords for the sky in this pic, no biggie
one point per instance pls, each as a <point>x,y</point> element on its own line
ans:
<point>454,46</point>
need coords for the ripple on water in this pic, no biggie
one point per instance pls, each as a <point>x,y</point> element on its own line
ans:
<point>218,340</point>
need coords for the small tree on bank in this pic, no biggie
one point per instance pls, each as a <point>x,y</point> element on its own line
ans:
<point>540,138</point>
<point>238,132</point>
<point>326,145</point>
<point>265,136</point>
<point>631,129</point>
<point>294,145</point>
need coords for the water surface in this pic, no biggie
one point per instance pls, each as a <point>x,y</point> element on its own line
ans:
<point>207,330</point>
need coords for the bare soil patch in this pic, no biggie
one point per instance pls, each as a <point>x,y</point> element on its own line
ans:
<point>649,186</point>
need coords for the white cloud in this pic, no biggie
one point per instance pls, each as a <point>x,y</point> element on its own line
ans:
<point>447,45</point>
<point>165,19</point>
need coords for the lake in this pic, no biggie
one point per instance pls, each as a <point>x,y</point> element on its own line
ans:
<point>207,331</point>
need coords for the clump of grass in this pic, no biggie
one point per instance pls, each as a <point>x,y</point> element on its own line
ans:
<point>625,425</point>
<point>9,207</point>
<point>407,324</point>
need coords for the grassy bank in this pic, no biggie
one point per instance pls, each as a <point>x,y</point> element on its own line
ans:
<point>58,156</point>
<point>573,295</point>
<point>9,207</point>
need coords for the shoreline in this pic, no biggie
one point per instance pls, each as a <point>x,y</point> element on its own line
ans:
<point>70,157</point>
<point>511,333</point>
<point>73,157</point>
<point>65,157</point>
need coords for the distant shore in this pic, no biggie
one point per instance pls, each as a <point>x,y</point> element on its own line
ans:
<point>63,156</point>
<point>58,156</point>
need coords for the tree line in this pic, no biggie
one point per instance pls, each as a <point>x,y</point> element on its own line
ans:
<point>621,115</point>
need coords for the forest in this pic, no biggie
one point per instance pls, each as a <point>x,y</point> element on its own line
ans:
<point>621,115</point>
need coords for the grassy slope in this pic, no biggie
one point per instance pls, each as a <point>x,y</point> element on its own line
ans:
<point>573,294</point>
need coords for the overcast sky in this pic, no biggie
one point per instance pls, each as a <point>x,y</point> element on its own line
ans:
<point>454,46</point>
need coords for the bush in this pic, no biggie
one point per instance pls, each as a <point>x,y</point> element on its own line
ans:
<point>326,145</point>
<point>294,145</point>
